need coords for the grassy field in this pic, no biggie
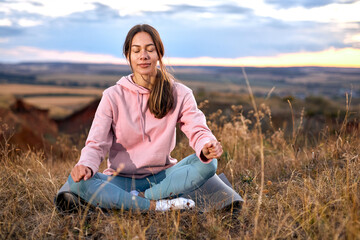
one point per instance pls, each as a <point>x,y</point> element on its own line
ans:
<point>292,189</point>
<point>60,101</point>
<point>24,89</point>
<point>60,107</point>
<point>90,79</point>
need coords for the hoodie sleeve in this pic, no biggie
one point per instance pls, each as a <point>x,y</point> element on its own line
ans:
<point>193,124</point>
<point>100,136</point>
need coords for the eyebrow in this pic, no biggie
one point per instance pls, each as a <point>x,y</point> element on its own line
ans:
<point>150,44</point>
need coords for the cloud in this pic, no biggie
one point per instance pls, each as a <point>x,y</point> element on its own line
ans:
<point>6,31</point>
<point>220,29</point>
<point>97,12</point>
<point>36,4</point>
<point>306,3</point>
<point>5,22</point>
<point>232,9</point>
<point>24,53</point>
<point>346,57</point>
<point>16,18</point>
<point>23,22</point>
<point>100,13</point>
<point>4,40</point>
<point>184,8</point>
<point>334,12</point>
<point>47,8</point>
<point>353,40</point>
<point>252,36</point>
<point>216,9</point>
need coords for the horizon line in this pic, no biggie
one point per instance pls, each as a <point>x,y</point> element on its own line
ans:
<point>331,57</point>
<point>175,65</point>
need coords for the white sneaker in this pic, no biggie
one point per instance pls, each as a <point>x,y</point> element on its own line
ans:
<point>174,204</point>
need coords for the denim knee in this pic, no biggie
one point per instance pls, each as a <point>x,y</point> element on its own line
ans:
<point>74,186</point>
<point>70,180</point>
<point>209,169</point>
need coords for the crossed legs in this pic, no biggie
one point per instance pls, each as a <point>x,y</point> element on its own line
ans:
<point>114,191</point>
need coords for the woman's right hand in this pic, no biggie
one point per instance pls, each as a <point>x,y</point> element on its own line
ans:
<point>80,172</point>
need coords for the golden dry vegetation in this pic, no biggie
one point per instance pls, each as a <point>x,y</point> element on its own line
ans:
<point>60,106</point>
<point>292,189</point>
<point>22,89</point>
<point>72,77</point>
<point>60,101</point>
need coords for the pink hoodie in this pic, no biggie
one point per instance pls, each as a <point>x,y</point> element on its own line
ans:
<point>139,144</point>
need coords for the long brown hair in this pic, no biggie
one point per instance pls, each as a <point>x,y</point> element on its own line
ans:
<point>161,98</point>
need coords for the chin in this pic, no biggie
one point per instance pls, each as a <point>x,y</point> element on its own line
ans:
<point>146,72</point>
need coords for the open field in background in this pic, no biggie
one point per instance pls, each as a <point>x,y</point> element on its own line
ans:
<point>77,79</point>
<point>60,101</point>
<point>60,107</point>
<point>224,87</point>
<point>29,89</point>
<point>296,81</point>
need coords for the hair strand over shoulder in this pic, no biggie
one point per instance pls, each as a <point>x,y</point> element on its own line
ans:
<point>161,99</point>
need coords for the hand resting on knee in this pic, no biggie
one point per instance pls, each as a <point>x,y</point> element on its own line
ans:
<point>80,172</point>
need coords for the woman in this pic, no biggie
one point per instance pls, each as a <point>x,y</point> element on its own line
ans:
<point>135,124</point>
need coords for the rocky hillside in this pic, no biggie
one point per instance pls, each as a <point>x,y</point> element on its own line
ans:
<point>27,126</point>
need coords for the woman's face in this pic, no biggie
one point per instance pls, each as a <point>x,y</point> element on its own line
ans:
<point>144,57</point>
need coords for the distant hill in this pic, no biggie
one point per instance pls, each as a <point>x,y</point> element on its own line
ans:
<point>296,81</point>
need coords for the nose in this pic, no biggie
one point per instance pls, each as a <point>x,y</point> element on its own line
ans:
<point>144,55</point>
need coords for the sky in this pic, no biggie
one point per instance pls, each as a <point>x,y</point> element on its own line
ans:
<point>207,32</point>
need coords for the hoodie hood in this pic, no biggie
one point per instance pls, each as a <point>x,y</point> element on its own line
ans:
<point>128,83</point>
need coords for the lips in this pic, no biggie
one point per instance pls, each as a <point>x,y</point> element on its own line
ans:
<point>144,65</point>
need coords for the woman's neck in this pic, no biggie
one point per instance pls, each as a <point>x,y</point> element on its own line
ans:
<point>146,81</point>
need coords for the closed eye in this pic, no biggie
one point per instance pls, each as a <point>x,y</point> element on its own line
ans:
<point>150,48</point>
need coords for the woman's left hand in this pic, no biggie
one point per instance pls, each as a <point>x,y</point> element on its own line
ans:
<point>212,149</point>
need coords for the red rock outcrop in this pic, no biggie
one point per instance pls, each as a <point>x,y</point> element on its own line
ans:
<point>80,121</point>
<point>27,126</point>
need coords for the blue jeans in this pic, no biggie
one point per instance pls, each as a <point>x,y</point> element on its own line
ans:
<point>114,191</point>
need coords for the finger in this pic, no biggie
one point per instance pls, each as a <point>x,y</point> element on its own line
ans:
<point>216,148</point>
<point>217,154</point>
<point>216,144</point>
<point>208,145</point>
<point>87,174</point>
<point>79,173</point>
<point>220,149</point>
<point>212,156</point>
<point>82,172</point>
<point>74,174</point>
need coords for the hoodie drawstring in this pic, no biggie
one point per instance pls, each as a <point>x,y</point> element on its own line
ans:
<point>142,122</point>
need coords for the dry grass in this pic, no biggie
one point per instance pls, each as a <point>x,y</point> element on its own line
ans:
<point>309,191</point>
<point>60,101</point>
<point>21,89</point>
<point>78,78</point>
<point>60,107</point>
